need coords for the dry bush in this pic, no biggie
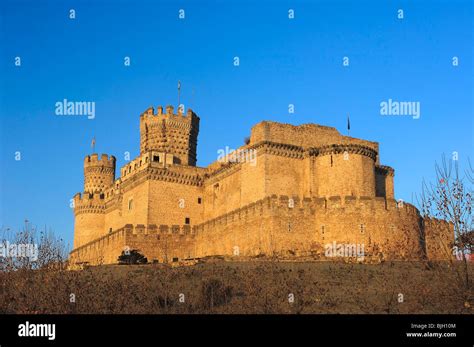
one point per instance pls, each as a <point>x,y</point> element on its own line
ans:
<point>244,287</point>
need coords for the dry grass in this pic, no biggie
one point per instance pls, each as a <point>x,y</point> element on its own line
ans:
<point>239,287</point>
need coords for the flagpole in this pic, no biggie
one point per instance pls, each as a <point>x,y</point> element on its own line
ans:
<point>179,92</point>
<point>348,125</point>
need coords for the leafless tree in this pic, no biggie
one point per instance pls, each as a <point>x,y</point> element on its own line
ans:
<point>450,198</point>
<point>46,251</point>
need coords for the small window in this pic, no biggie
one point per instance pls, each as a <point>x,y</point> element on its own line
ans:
<point>199,200</point>
<point>156,158</point>
<point>362,228</point>
<point>110,230</point>
<point>130,204</point>
<point>175,259</point>
<point>186,220</point>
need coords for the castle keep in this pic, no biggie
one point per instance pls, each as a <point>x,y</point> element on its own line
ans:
<point>295,190</point>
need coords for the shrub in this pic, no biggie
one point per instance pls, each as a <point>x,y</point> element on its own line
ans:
<point>132,257</point>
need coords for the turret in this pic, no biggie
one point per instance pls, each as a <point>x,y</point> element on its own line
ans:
<point>88,218</point>
<point>172,133</point>
<point>99,174</point>
<point>384,181</point>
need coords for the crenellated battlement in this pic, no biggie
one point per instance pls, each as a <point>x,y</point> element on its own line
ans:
<point>93,160</point>
<point>153,115</point>
<point>170,132</point>
<point>162,229</point>
<point>305,206</point>
<point>99,173</point>
<point>287,190</point>
<point>89,203</point>
<point>88,197</point>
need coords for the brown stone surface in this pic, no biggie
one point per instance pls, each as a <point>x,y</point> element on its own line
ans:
<point>302,187</point>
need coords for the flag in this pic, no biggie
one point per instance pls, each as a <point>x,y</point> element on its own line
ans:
<point>179,85</point>
<point>93,142</point>
<point>348,123</point>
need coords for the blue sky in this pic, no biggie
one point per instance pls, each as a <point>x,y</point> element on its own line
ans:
<point>282,61</point>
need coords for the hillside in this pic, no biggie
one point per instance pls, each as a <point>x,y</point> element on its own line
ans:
<point>240,287</point>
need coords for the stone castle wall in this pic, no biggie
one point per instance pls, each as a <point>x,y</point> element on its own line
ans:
<point>341,194</point>
<point>284,226</point>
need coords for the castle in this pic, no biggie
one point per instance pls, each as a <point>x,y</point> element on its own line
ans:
<point>286,193</point>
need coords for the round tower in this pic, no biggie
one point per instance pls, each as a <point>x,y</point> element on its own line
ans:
<point>344,170</point>
<point>99,174</point>
<point>89,218</point>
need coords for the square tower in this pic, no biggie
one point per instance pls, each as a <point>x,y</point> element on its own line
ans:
<point>170,133</point>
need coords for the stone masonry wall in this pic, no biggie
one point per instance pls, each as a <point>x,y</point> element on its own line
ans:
<point>272,227</point>
<point>308,186</point>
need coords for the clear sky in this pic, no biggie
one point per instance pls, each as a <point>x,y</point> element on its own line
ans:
<point>282,61</point>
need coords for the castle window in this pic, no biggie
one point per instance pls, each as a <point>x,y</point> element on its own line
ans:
<point>156,158</point>
<point>362,228</point>
<point>322,229</point>
<point>130,204</point>
<point>331,161</point>
<point>110,230</point>
<point>101,196</point>
<point>199,200</point>
<point>186,220</point>
<point>175,259</point>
